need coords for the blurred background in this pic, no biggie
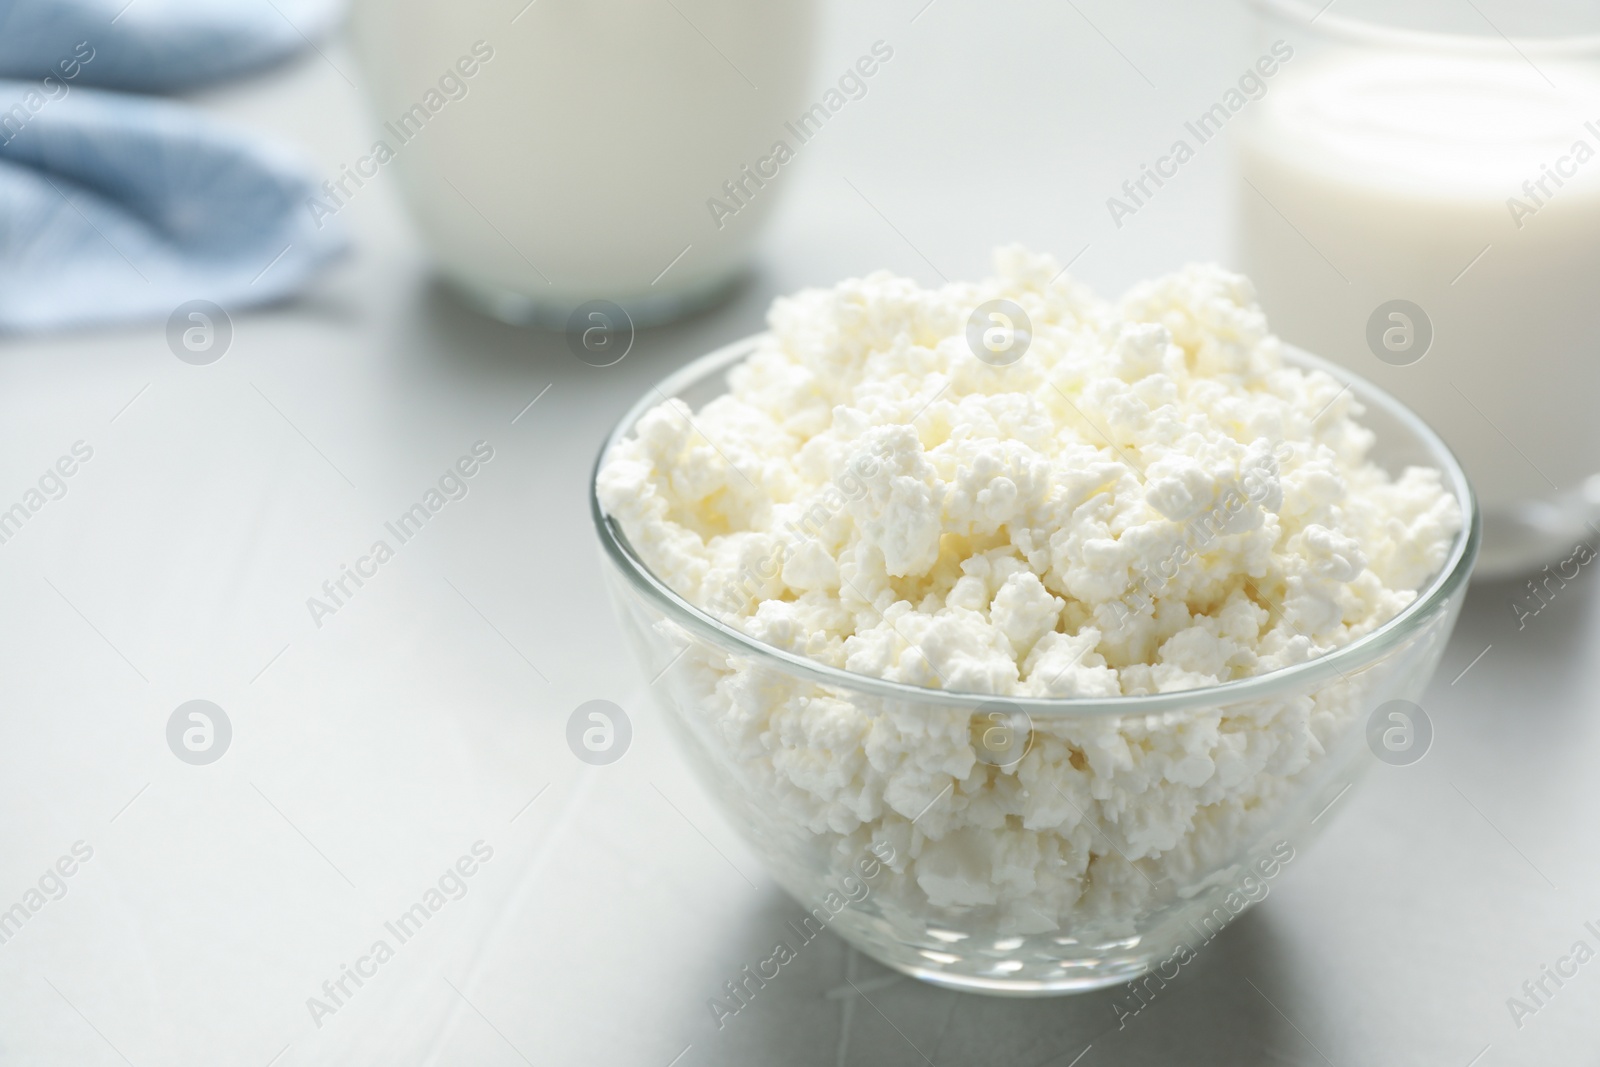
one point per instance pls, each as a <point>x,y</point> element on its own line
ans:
<point>249,375</point>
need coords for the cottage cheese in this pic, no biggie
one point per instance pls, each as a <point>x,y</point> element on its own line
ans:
<point>1150,500</point>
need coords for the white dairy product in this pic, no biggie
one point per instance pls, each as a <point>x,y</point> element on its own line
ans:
<point>1468,185</point>
<point>566,152</point>
<point>1149,500</point>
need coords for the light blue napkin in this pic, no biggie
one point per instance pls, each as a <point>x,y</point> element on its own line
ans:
<point>117,207</point>
<point>157,45</point>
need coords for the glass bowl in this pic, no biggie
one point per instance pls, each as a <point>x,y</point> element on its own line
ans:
<point>1002,844</point>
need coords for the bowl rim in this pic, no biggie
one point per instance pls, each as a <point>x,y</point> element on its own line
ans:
<point>1363,651</point>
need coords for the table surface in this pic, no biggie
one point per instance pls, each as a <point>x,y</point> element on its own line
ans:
<point>428,713</point>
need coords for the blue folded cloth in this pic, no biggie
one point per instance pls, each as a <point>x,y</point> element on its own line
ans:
<point>157,45</point>
<point>117,207</point>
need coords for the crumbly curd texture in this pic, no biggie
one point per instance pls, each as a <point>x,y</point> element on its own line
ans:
<point>1148,500</point>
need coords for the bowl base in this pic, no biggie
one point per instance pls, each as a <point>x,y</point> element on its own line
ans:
<point>1109,975</point>
<point>1037,965</point>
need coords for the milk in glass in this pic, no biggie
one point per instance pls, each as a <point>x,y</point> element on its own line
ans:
<point>555,153</point>
<point>1426,211</point>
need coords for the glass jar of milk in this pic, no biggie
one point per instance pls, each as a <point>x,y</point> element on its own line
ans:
<point>1424,208</point>
<point>557,153</point>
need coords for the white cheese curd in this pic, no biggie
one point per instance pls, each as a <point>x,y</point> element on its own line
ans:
<point>1149,500</point>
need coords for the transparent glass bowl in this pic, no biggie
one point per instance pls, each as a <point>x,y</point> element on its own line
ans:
<point>1048,866</point>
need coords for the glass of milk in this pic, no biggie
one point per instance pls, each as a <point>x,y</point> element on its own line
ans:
<point>556,154</point>
<point>1424,208</point>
